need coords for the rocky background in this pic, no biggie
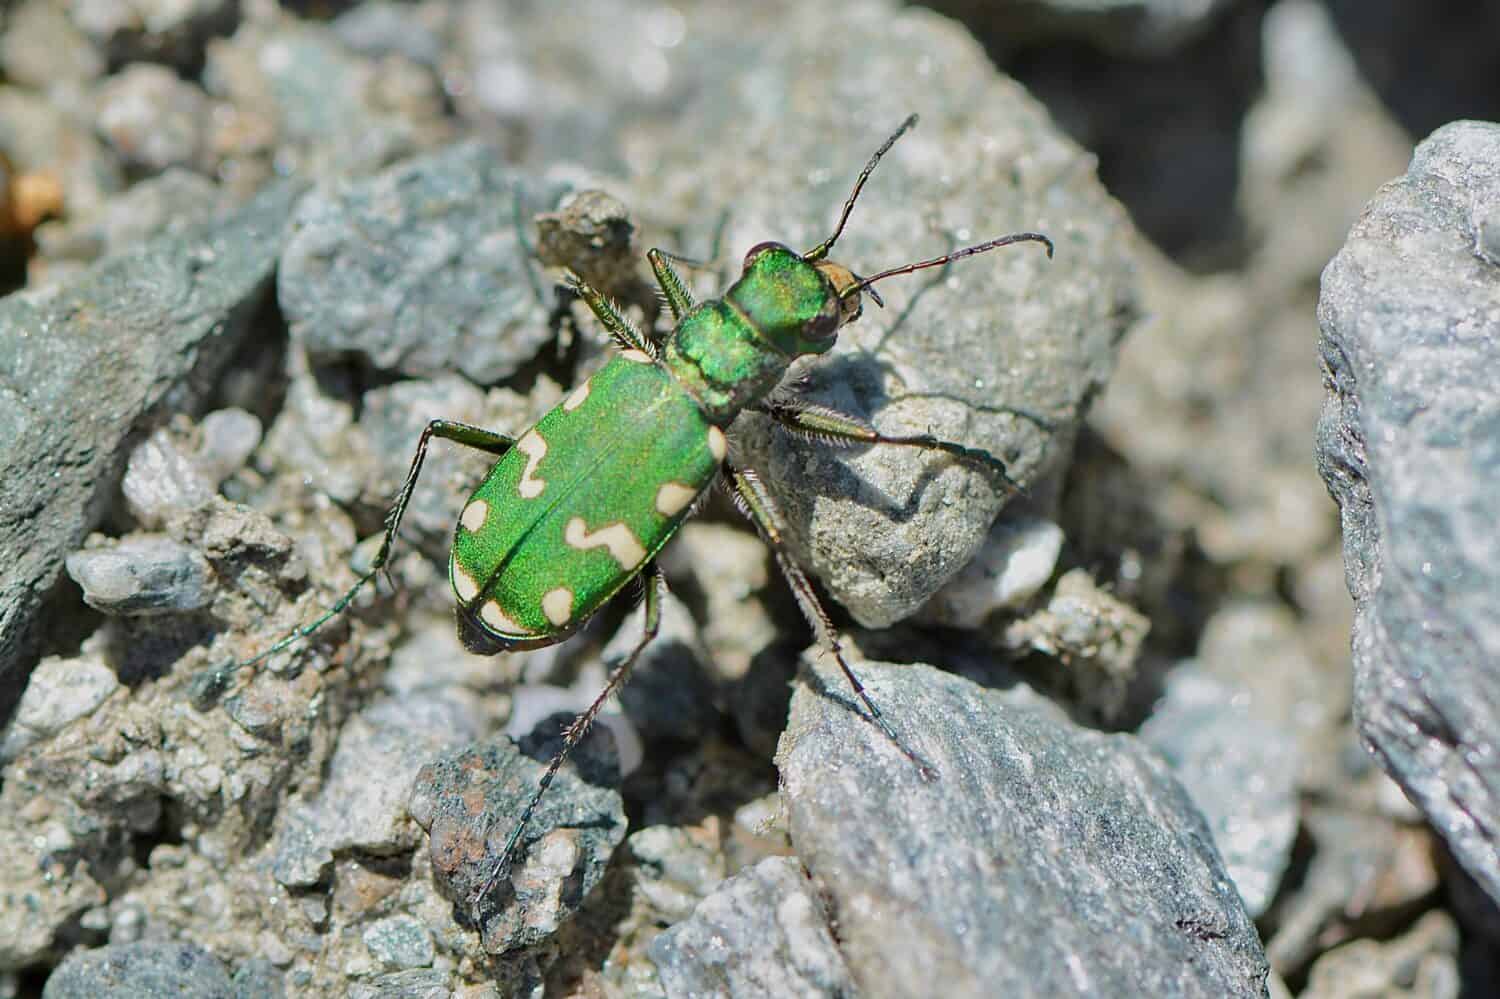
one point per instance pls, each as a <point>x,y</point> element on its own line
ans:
<point>254,247</point>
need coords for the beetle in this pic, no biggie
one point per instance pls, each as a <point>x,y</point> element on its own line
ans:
<point>578,506</point>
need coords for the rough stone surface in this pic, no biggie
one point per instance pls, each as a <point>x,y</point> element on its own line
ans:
<point>1037,841</point>
<point>298,99</point>
<point>60,691</point>
<point>152,118</point>
<point>362,807</point>
<point>400,941</point>
<point>142,574</point>
<point>1015,562</point>
<point>1407,443</point>
<point>468,800</point>
<point>1095,637</point>
<point>174,201</point>
<point>1002,353</point>
<point>675,869</point>
<point>420,269</point>
<point>1241,772</point>
<point>763,933</point>
<point>179,305</point>
<point>139,971</point>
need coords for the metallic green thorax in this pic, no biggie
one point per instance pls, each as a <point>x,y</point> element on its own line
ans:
<point>731,352</point>
<point>572,512</point>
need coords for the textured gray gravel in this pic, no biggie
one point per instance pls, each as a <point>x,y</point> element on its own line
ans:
<point>182,304</point>
<point>420,269</point>
<point>1407,443</point>
<point>763,933</point>
<point>140,971</point>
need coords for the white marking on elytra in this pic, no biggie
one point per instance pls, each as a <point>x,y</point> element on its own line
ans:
<point>717,445</point>
<point>638,356</point>
<point>618,538</point>
<point>464,584</point>
<point>535,450</point>
<point>673,497</point>
<point>575,400</point>
<point>558,605</point>
<point>474,515</point>
<point>495,618</point>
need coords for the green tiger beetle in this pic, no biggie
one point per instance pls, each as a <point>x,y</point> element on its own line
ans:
<point>579,505</point>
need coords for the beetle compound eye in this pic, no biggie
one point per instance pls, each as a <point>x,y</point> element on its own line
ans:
<point>826,323</point>
<point>852,308</point>
<point>757,250</point>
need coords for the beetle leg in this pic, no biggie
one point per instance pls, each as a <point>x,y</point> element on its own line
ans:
<point>673,291</point>
<point>656,585</point>
<point>460,433</point>
<point>839,429</point>
<point>620,329</point>
<point>754,500</point>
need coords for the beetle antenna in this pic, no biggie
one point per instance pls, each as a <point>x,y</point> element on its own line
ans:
<point>821,250</point>
<point>948,258</point>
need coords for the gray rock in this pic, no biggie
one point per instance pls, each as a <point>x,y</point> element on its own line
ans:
<point>142,574</point>
<point>229,438</point>
<point>171,202</point>
<point>415,983</point>
<point>58,693</point>
<point>468,800</point>
<point>733,573</point>
<point>533,704</point>
<point>139,971</point>
<point>303,101</point>
<point>152,118</point>
<point>763,933</point>
<point>1002,353</point>
<point>380,26</point>
<point>1016,561</point>
<point>1240,770</point>
<point>258,978</point>
<point>420,269</point>
<point>41,47</point>
<point>1037,841</point>
<point>183,304</point>
<point>362,805</point>
<point>162,478</point>
<point>1407,443</point>
<point>401,941</point>
<point>674,870</point>
<point>393,419</point>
